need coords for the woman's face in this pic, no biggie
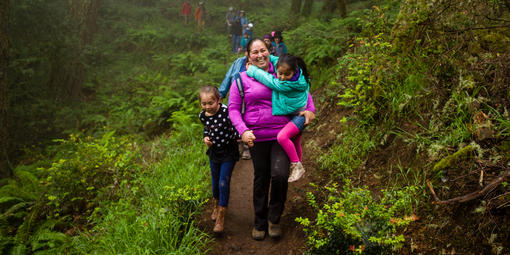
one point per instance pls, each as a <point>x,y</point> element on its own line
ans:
<point>259,55</point>
<point>277,40</point>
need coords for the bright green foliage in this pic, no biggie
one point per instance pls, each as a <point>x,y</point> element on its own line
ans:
<point>23,227</point>
<point>349,152</point>
<point>351,221</point>
<point>365,73</point>
<point>86,171</point>
<point>158,217</point>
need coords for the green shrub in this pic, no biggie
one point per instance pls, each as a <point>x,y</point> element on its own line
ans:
<point>86,171</point>
<point>349,151</point>
<point>351,221</point>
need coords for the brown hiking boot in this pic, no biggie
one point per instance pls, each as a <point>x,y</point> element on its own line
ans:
<point>258,235</point>
<point>214,214</point>
<point>274,230</point>
<point>220,221</point>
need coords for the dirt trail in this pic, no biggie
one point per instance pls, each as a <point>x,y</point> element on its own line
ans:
<point>236,238</point>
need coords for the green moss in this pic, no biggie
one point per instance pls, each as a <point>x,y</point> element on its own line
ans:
<point>455,158</point>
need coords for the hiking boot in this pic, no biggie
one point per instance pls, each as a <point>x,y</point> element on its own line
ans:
<point>296,171</point>
<point>258,235</point>
<point>274,230</point>
<point>214,214</point>
<point>246,152</point>
<point>220,220</point>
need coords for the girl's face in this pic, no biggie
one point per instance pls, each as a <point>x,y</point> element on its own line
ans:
<point>277,40</point>
<point>284,72</point>
<point>209,103</point>
<point>259,55</point>
<point>267,41</point>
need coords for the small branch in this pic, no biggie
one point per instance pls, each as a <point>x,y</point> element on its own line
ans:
<point>490,187</point>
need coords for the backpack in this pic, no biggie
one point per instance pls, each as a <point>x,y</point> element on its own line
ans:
<point>239,83</point>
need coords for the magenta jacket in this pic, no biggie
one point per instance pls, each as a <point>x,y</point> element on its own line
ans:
<point>258,116</point>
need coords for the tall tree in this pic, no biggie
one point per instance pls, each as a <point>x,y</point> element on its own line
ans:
<point>4,63</point>
<point>330,6</point>
<point>342,7</point>
<point>85,13</point>
<point>295,7</point>
<point>307,8</point>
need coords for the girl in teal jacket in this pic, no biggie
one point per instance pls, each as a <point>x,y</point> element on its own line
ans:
<point>289,96</point>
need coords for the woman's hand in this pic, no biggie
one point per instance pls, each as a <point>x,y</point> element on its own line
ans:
<point>309,116</point>
<point>248,138</point>
<point>207,141</point>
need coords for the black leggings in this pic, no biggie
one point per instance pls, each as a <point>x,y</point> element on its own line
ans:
<point>271,167</point>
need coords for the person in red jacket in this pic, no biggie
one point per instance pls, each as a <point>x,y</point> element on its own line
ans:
<point>200,16</point>
<point>186,11</point>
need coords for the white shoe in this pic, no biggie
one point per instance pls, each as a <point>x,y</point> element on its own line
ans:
<point>296,171</point>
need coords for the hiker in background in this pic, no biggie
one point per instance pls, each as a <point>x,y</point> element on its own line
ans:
<point>269,43</point>
<point>186,11</point>
<point>289,97</point>
<point>244,21</point>
<point>230,17</point>
<point>244,42</point>
<point>279,47</point>
<point>200,16</point>
<point>258,129</point>
<point>237,31</point>
<point>220,138</point>
<point>249,31</point>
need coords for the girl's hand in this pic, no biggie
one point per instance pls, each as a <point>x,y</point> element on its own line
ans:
<point>248,138</point>
<point>207,141</point>
<point>309,116</point>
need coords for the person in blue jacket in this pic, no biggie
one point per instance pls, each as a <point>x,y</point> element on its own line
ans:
<point>238,66</point>
<point>279,47</point>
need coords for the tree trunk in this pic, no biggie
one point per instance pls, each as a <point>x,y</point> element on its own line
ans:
<point>295,7</point>
<point>342,8</point>
<point>85,13</point>
<point>5,170</point>
<point>307,8</point>
<point>329,6</point>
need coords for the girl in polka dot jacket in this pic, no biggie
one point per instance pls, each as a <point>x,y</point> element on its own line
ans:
<point>220,138</point>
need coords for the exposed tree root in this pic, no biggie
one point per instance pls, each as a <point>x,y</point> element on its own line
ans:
<point>490,187</point>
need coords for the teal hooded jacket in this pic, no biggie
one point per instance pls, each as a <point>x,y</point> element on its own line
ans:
<point>287,96</point>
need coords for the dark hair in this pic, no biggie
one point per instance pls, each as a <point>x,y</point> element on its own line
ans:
<point>294,62</point>
<point>248,46</point>
<point>278,34</point>
<point>209,89</point>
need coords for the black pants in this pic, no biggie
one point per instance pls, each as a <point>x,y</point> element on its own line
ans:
<point>271,167</point>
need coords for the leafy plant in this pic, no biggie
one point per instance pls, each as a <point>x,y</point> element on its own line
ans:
<point>351,221</point>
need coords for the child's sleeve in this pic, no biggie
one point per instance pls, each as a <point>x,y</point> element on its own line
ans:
<point>206,131</point>
<point>274,83</point>
<point>274,60</point>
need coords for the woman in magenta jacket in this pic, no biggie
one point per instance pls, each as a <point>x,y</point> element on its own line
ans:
<point>258,128</point>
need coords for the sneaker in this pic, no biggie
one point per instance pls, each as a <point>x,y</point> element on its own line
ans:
<point>296,171</point>
<point>246,153</point>
<point>258,235</point>
<point>274,230</point>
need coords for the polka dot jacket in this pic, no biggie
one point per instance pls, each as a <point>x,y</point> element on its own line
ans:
<point>222,134</point>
